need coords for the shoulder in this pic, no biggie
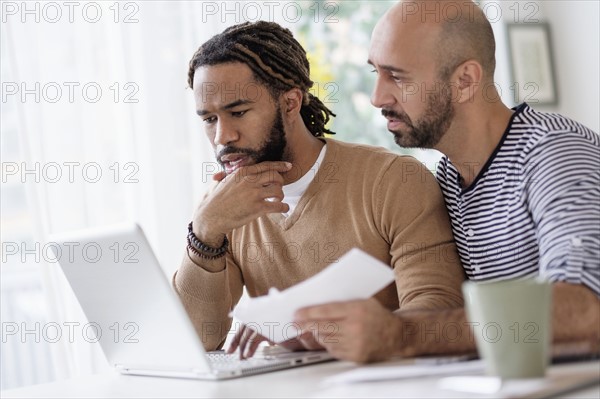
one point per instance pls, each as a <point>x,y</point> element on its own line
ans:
<point>544,130</point>
<point>553,145</point>
<point>371,158</point>
<point>377,168</point>
<point>447,176</point>
<point>347,150</point>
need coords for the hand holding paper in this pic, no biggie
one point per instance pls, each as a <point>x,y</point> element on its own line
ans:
<point>356,275</point>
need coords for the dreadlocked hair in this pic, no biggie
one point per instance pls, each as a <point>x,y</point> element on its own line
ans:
<point>276,59</point>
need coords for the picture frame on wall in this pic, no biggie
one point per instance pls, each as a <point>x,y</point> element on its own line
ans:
<point>532,64</point>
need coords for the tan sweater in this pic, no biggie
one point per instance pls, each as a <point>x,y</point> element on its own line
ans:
<point>388,205</point>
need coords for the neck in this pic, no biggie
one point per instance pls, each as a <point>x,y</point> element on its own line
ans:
<point>473,137</point>
<point>303,150</point>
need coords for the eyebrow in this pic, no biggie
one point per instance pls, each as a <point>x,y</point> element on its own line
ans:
<point>389,68</point>
<point>237,103</point>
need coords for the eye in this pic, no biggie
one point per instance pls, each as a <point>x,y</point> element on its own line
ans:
<point>374,70</point>
<point>210,119</point>
<point>239,114</point>
<point>396,79</point>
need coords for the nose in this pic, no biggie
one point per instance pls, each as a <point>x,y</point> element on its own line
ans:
<point>381,96</point>
<point>226,133</point>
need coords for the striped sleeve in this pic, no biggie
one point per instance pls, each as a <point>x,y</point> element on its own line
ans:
<point>562,178</point>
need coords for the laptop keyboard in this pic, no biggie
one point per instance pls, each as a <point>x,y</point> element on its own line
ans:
<point>223,361</point>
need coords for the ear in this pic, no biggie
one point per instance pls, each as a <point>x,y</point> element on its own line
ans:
<point>467,79</point>
<point>292,101</point>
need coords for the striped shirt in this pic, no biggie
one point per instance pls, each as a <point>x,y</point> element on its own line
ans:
<point>534,209</point>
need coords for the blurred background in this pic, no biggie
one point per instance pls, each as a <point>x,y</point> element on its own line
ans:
<point>98,127</point>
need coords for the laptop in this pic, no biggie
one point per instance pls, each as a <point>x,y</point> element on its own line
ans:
<point>137,317</point>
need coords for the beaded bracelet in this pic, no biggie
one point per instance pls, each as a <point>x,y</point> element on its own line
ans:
<point>201,249</point>
<point>191,248</point>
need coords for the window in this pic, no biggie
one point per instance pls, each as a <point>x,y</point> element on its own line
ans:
<point>336,35</point>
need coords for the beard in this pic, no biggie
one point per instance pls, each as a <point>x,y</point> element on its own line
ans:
<point>273,147</point>
<point>429,129</point>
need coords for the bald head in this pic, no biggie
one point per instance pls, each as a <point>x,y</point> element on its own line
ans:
<point>449,32</point>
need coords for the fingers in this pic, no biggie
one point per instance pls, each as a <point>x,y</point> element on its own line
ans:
<point>219,176</point>
<point>293,344</point>
<point>330,311</point>
<point>309,342</point>
<point>250,344</point>
<point>262,167</point>
<point>235,342</point>
<point>341,341</point>
<point>306,341</point>
<point>242,196</point>
<point>276,207</point>
<point>247,340</point>
<point>253,345</point>
<point>246,337</point>
<point>262,173</point>
<point>359,331</point>
<point>322,333</point>
<point>272,191</point>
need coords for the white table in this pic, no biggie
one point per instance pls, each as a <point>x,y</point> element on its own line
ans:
<point>299,382</point>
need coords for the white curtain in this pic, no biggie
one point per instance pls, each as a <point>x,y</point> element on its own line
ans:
<point>108,126</point>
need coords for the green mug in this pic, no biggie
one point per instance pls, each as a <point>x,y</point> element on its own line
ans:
<point>511,323</point>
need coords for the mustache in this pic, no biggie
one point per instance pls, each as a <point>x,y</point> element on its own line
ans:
<point>234,150</point>
<point>395,115</point>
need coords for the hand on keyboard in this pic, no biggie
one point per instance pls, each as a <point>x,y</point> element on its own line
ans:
<point>247,340</point>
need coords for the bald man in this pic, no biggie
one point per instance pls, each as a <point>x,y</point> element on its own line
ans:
<point>521,186</point>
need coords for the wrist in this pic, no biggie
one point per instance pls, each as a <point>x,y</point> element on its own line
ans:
<point>408,333</point>
<point>203,249</point>
<point>209,233</point>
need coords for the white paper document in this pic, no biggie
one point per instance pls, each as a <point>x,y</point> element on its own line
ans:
<point>410,368</point>
<point>356,275</point>
<point>553,385</point>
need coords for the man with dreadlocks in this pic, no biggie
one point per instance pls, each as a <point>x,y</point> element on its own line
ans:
<point>289,202</point>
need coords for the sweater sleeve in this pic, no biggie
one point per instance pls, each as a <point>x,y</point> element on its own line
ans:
<point>209,289</point>
<point>414,220</point>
